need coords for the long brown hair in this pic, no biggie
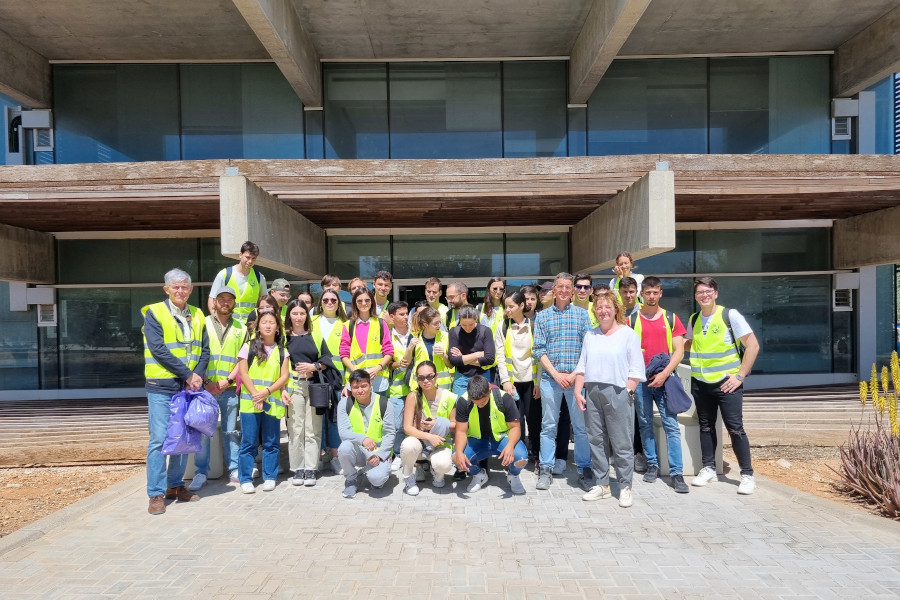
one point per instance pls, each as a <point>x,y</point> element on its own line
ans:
<point>341,313</point>
<point>354,311</point>
<point>420,397</point>
<point>488,307</point>
<point>424,316</point>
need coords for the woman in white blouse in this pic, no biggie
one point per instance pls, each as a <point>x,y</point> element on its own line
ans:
<point>609,369</point>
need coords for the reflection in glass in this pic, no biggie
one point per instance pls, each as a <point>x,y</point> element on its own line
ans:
<point>448,256</point>
<point>18,346</point>
<point>762,250</point>
<point>534,109</point>
<point>536,253</point>
<point>359,256</point>
<point>356,111</point>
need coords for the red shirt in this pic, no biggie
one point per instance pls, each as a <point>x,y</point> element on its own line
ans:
<point>653,336</point>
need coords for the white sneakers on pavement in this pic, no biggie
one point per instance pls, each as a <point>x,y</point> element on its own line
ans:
<point>747,486</point>
<point>197,482</point>
<point>705,475</point>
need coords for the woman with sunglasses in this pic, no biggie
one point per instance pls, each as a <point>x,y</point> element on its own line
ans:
<point>366,341</point>
<point>490,313</point>
<point>327,324</point>
<point>429,427</point>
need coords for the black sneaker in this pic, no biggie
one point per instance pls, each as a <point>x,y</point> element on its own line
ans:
<point>586,480</point>
<point>459,475</point>
<point>679,484</point>
<point>652,474</point>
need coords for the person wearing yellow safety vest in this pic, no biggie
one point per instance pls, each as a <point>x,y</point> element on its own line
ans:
<point>661,332</point>
<point>457,297</point>
<point>429,425</point>
<point>327,324</point>
<point>383,284</point>
<point>265,366</point>
<point>722,349</point>
<point>176,356</point>
<point>487,424</point>
<point>281,291</point>
<point>433,298</point>
<point>490,314</point>
<point>625,268</point>
<point>366,342</point>
<point>396,315</point>
<point>583,293</point>
<point>432,343</point>
<point>226,336</point>
<point>471,349</point>
<point>366,422</point>
<point>516,368</point>
<point>244,278</point>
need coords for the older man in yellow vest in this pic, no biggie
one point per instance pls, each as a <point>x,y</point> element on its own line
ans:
<point>176,354</point>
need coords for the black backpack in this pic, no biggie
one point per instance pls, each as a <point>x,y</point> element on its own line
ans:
<point>228,271</point>
<point>251,355</point>
<point>382,404</point>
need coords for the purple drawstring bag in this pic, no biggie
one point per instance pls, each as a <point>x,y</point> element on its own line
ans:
<point>181,439</point>
<point>202,412</point>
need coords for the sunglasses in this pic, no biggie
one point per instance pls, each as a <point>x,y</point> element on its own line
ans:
<point>423,378</point>
<point>329,300</point>
<point>582,286</point>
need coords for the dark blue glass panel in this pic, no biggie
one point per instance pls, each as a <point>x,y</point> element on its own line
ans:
<point>534,109</point>
<point>356,113</point>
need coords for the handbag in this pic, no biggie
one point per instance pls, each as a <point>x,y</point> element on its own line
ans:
<point>320,393</point>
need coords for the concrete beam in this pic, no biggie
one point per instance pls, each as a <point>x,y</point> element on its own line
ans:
<point>276,24</point>
<point>287,240</point>
<point>24,74</point>
<point>605,30</point>
<point>639,220</point>
<point>868,57</point>
<point>867,240</point>
<point>26,255</point>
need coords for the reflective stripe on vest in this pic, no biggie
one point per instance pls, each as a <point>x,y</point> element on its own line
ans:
<point>247,298</point>
<point>333,342</point>
<point>446,402</point>
<point>499,426</point>
<point>263,373</point>
<point>398,388</point>
<point>358,360</point>
<point>375,429</point>
<point>637,329</point>
<point>188,352</point>
<point>223,357</point>
<point>712,359</point>
<point>445,371</point>
<point>507,346</point>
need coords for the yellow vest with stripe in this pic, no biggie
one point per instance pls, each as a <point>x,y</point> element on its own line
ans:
<point>499,426</point>
<point>711,358</point>
<point>333,342</point>
<point>445,371</point>
<point>247,298</point>
<point>223,356</point>
<point>399,388</point>
<point>263,373</point>
<point>492,323</point>
<point>507,350</point>
<point>446,403</point>
<point>663,315</point>
<point>375,430</point>
<point>373,355</point>
<point>450,318</point>
<point>187,351</point>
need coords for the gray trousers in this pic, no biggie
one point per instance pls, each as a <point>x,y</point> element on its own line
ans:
<point>610,428</point>
<point>354,457</point>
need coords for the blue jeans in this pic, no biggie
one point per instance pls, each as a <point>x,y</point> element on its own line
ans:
<point>231,438</point>
<point>256,428</point>
<point>646,396</point>
<point>460,384</point>
<point>331,437</point>
<point>399,404</point>
<point>551,400</point>
<point>478,449</point>
<point>160,477</point>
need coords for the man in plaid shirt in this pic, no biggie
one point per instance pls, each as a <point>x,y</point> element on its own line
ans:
<point>558,333</point>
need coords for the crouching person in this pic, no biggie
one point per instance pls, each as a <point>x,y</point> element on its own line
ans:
<point>367,428</point>
<point>487,424</point>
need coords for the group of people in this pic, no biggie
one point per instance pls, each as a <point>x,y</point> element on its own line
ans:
<point>442,388</point>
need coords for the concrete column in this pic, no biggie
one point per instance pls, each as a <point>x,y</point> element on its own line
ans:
<point>866,324</point>
<point>26,255</point>
<point>287,240</point>
<point>868,57</point>
<point>639,220</point>
<point>24,74</point>
<point>869,239</point>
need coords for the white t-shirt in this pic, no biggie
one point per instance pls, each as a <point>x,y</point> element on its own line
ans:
<point>219,283</point>
<point>327,324</point>
<point>738,324</point>
<point>612,359</point>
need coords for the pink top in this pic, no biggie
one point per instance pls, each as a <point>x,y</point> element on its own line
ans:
<point>362,338</point>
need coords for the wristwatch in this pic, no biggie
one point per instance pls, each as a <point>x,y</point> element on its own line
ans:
<point>230,381</point>
<point>206,382</point>
<point>631,393</point>
<point>739,377</point>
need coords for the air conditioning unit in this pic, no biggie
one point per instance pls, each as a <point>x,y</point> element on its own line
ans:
<point>842,300</point>
<point>46,315</point>
<point>841,128</point>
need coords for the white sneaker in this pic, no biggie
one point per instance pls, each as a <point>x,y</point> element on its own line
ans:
<point>515,484</point>
<point>197,483</point>
<point>420,472</point>
<point>268,485</point>
<point>233,477</point>
<point>411,488</point>
<point>625,499</point>
<point>598,492</point>
<point>559,467</point>
<point>705,475</point>
<point>748,485</point>
<point>438,481</point>
<point>477,482</point>
<point>336,466</point>
<point>248,488</point>
<point>396,464</point>
<point>255,474</point>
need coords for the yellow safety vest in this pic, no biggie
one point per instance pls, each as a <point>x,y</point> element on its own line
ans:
<point>445,370</point>
<point>507,347</point>
<point>499,426</point>
<point>223,356</point>
<point>375,430</point>
<point>636,325</point>
<point>373,355</point>
<point>333,342</point>
<point>247,298</point>
<point>263,373</point>
<point>446,401</point>
<point>711,358</point>
<point>491,322</point>
<point>187,351</point>
<point>399,388</point>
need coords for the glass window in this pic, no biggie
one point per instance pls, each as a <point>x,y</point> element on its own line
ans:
<point>678,260</point>
<point>884,115</point>
<point>763,250</point>
<point>577,131</point>
<point>125,261</point>
<point>739,105</point>
<point>356,111</point>
<point>18,346</point>
<point>359,255</point>
<point>4,102</point>
<point>115,113</point>
<point>649,106</point>
<point>239,111</point>
<point>534,109</point>
<point>886,332</point>
<point>536,253</point>
<point>445,110</point>
<point>800,105</point>
<point>423,256</point>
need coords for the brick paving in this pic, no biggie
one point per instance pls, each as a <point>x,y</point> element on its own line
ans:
<point>312,543</point>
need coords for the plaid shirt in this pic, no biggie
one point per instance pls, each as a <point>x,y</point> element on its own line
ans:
<point>558,334</point>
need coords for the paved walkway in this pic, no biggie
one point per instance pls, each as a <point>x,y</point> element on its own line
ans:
<point>311,543</point>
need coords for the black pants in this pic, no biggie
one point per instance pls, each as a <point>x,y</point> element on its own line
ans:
<point>710,399</point>
<point>563,431</point>
<point>531,428</point>
<point>638,442</point>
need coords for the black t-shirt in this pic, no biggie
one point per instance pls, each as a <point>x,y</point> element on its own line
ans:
<point>302,348</point>
<point>507,406</point>
<point>479,340</point>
